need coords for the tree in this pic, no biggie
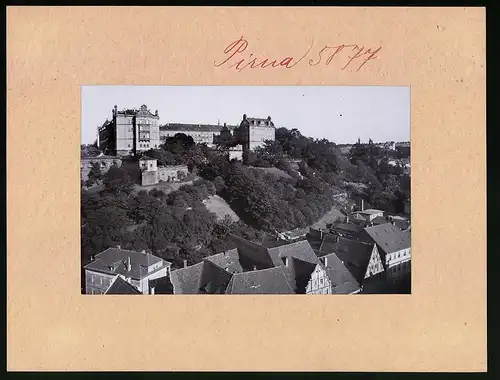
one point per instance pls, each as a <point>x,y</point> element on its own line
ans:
<point>117,180</point>
<point>95,175</point>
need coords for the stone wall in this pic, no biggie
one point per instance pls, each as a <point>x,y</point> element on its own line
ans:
<point>104,163</point>
<point>149,178</point>
<point>164,174</point>
<point>171,173</point>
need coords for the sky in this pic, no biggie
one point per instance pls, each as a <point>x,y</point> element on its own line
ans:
<point>339,114</point>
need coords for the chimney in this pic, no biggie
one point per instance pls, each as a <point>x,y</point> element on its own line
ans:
<point>286,261</point>
<point>254,267</point>
<point>362,204</point>
<point>152,290</point>
<point>119,247</point>
<point>347,219</point>
<point>326,261</point>
<point>91,258</point>
<point>129,264</point>
<point>185,263</point>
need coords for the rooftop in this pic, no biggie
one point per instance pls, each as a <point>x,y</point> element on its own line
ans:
<point>115,261</point>
<point>354,254</point>
<point>228,260</point>
<point>202,278</point>
<point>265,281</point>
<point>389,238</point>
<point>343,282</point>
<point>120,286</point>
<point>369,211</point>
<point>194,127</point>
<point>300,250</point>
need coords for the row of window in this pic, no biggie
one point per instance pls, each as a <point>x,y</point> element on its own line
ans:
<point>146,145</point>
<point>98,280</point>
<point>398,255</point>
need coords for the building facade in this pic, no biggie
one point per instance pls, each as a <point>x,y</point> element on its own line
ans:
<point>201,133</point>
<point>394,247</point>
<point>252,132</point>
<point>136,268</point>
<point>130,131</point>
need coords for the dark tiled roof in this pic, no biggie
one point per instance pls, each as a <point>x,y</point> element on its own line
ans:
<point>401,223</point>
<point>300,250</point>
<point>252,254</point>
<point>265,281</point>
<point>186,280</point>
<point>228,260</point>
<point>194,127</point>
<point>389,238</point>
<point>202,278</point>
<point>343,282</point>
<point>354,254</point>
<point>120,286</point>
<point>349,227</point>
<point>114,261</point>
<point>258,119</point>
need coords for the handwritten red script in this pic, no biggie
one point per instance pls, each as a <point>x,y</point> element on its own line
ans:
<point>236,56</point>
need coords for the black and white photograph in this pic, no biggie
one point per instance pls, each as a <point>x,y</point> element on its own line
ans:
<point>245,190</point>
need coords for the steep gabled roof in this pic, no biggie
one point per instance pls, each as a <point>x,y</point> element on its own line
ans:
<point>343,282</point>
<point>120,286</point>
<point>354,254</point>
<point>300,250</point>
<point>252,253</point>
<point>265,281</point>
<point>228,260</point>
<point>389,238</point>
<point>202,278</point>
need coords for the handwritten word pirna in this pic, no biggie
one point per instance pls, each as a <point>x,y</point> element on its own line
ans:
<point>352,56</point>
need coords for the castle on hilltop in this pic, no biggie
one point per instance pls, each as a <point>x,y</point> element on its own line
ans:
<point>132,131</point>
<point>129,131</point>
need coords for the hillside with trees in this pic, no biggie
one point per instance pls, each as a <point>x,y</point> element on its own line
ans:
<point>177,226</point>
